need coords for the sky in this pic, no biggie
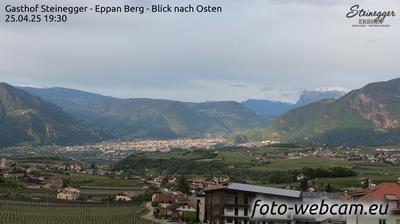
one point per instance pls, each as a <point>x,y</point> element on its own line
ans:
<point>254,49</point>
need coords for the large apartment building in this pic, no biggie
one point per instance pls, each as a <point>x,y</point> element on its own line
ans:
<point>231,204</point>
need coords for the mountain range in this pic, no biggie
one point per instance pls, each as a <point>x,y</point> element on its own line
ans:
<point>26,119</point>
<point>152,118</point>
<point>268,107</point>
<point>370,115</point>
<point>277,108</point>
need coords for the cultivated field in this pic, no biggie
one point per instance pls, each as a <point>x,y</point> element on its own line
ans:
<point>37,213</point>
<point>254,166</point>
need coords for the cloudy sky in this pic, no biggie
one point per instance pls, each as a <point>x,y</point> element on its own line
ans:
<point>265,49</point>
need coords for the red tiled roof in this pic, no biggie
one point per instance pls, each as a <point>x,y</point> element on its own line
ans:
<point>380,192</point>
<point>167,198</point>
<point>215,187</point>
<point>170,198</point>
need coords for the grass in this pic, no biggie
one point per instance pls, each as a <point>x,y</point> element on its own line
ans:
<point>104,181</point>
<point>260,161</point>
<point>312,162</point>
<point>251,165</point>
<point>91,186</point>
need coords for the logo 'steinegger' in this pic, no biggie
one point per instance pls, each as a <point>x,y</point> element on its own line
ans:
<point>369,17</point>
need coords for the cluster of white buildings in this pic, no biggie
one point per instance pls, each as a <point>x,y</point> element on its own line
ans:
<point>160,145</point>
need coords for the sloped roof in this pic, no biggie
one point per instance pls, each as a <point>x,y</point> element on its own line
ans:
<point>215,187</point>
<point>129,194</point>
<point>169,197</point>
<point>380,192</point>
<point>257,189</point>
<point>69,190</point>
<point>264,190</point>
<point>321,195</point>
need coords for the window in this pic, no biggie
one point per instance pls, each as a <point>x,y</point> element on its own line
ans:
<point>382,221</point>
<point>230,198</point>
<point>236,211</point>
<point>246,200</point>
<point>229,209</point>
<point>236,200</point>
<point>245,212</point>
<point>229,221</point>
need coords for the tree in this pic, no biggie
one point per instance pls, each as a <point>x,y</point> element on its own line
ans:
<point>93,166</point>
<point>365,183</point>
<point>182,185</point>
<point>189,216</point>
<point>66,182</point>
<point>329,188</point>
<point>154,204</point>
<point>147,195</point>
<point>304,184</point>
<point>164,183</point>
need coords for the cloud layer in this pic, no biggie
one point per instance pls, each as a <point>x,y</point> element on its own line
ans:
<point>254,49</point>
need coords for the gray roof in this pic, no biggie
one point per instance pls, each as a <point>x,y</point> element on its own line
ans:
<point>321,195</point>
<point>264,190</point>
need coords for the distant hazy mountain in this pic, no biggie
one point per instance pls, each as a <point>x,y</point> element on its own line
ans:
<point>26,119</point>
<point>311,96</point>
<point>370,115</point>
<point>276,108</point>
<point>267,107</point>
<point>151,117</point>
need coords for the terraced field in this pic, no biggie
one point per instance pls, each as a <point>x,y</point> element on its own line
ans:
<point>37,213</point>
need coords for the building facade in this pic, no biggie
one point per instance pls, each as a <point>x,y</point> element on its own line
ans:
<point>231,203</point>
<point>68,193</point>
<point>125,196</point>
<point>4,164</point>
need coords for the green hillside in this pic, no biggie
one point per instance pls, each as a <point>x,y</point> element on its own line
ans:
<point>369,115</point>
<point>152,118</point>
<point>25,119</point>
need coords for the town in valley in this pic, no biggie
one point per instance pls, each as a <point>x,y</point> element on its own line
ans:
<point>174,180</point>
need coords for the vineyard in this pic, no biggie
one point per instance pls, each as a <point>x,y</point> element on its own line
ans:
<point>39,213</point>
